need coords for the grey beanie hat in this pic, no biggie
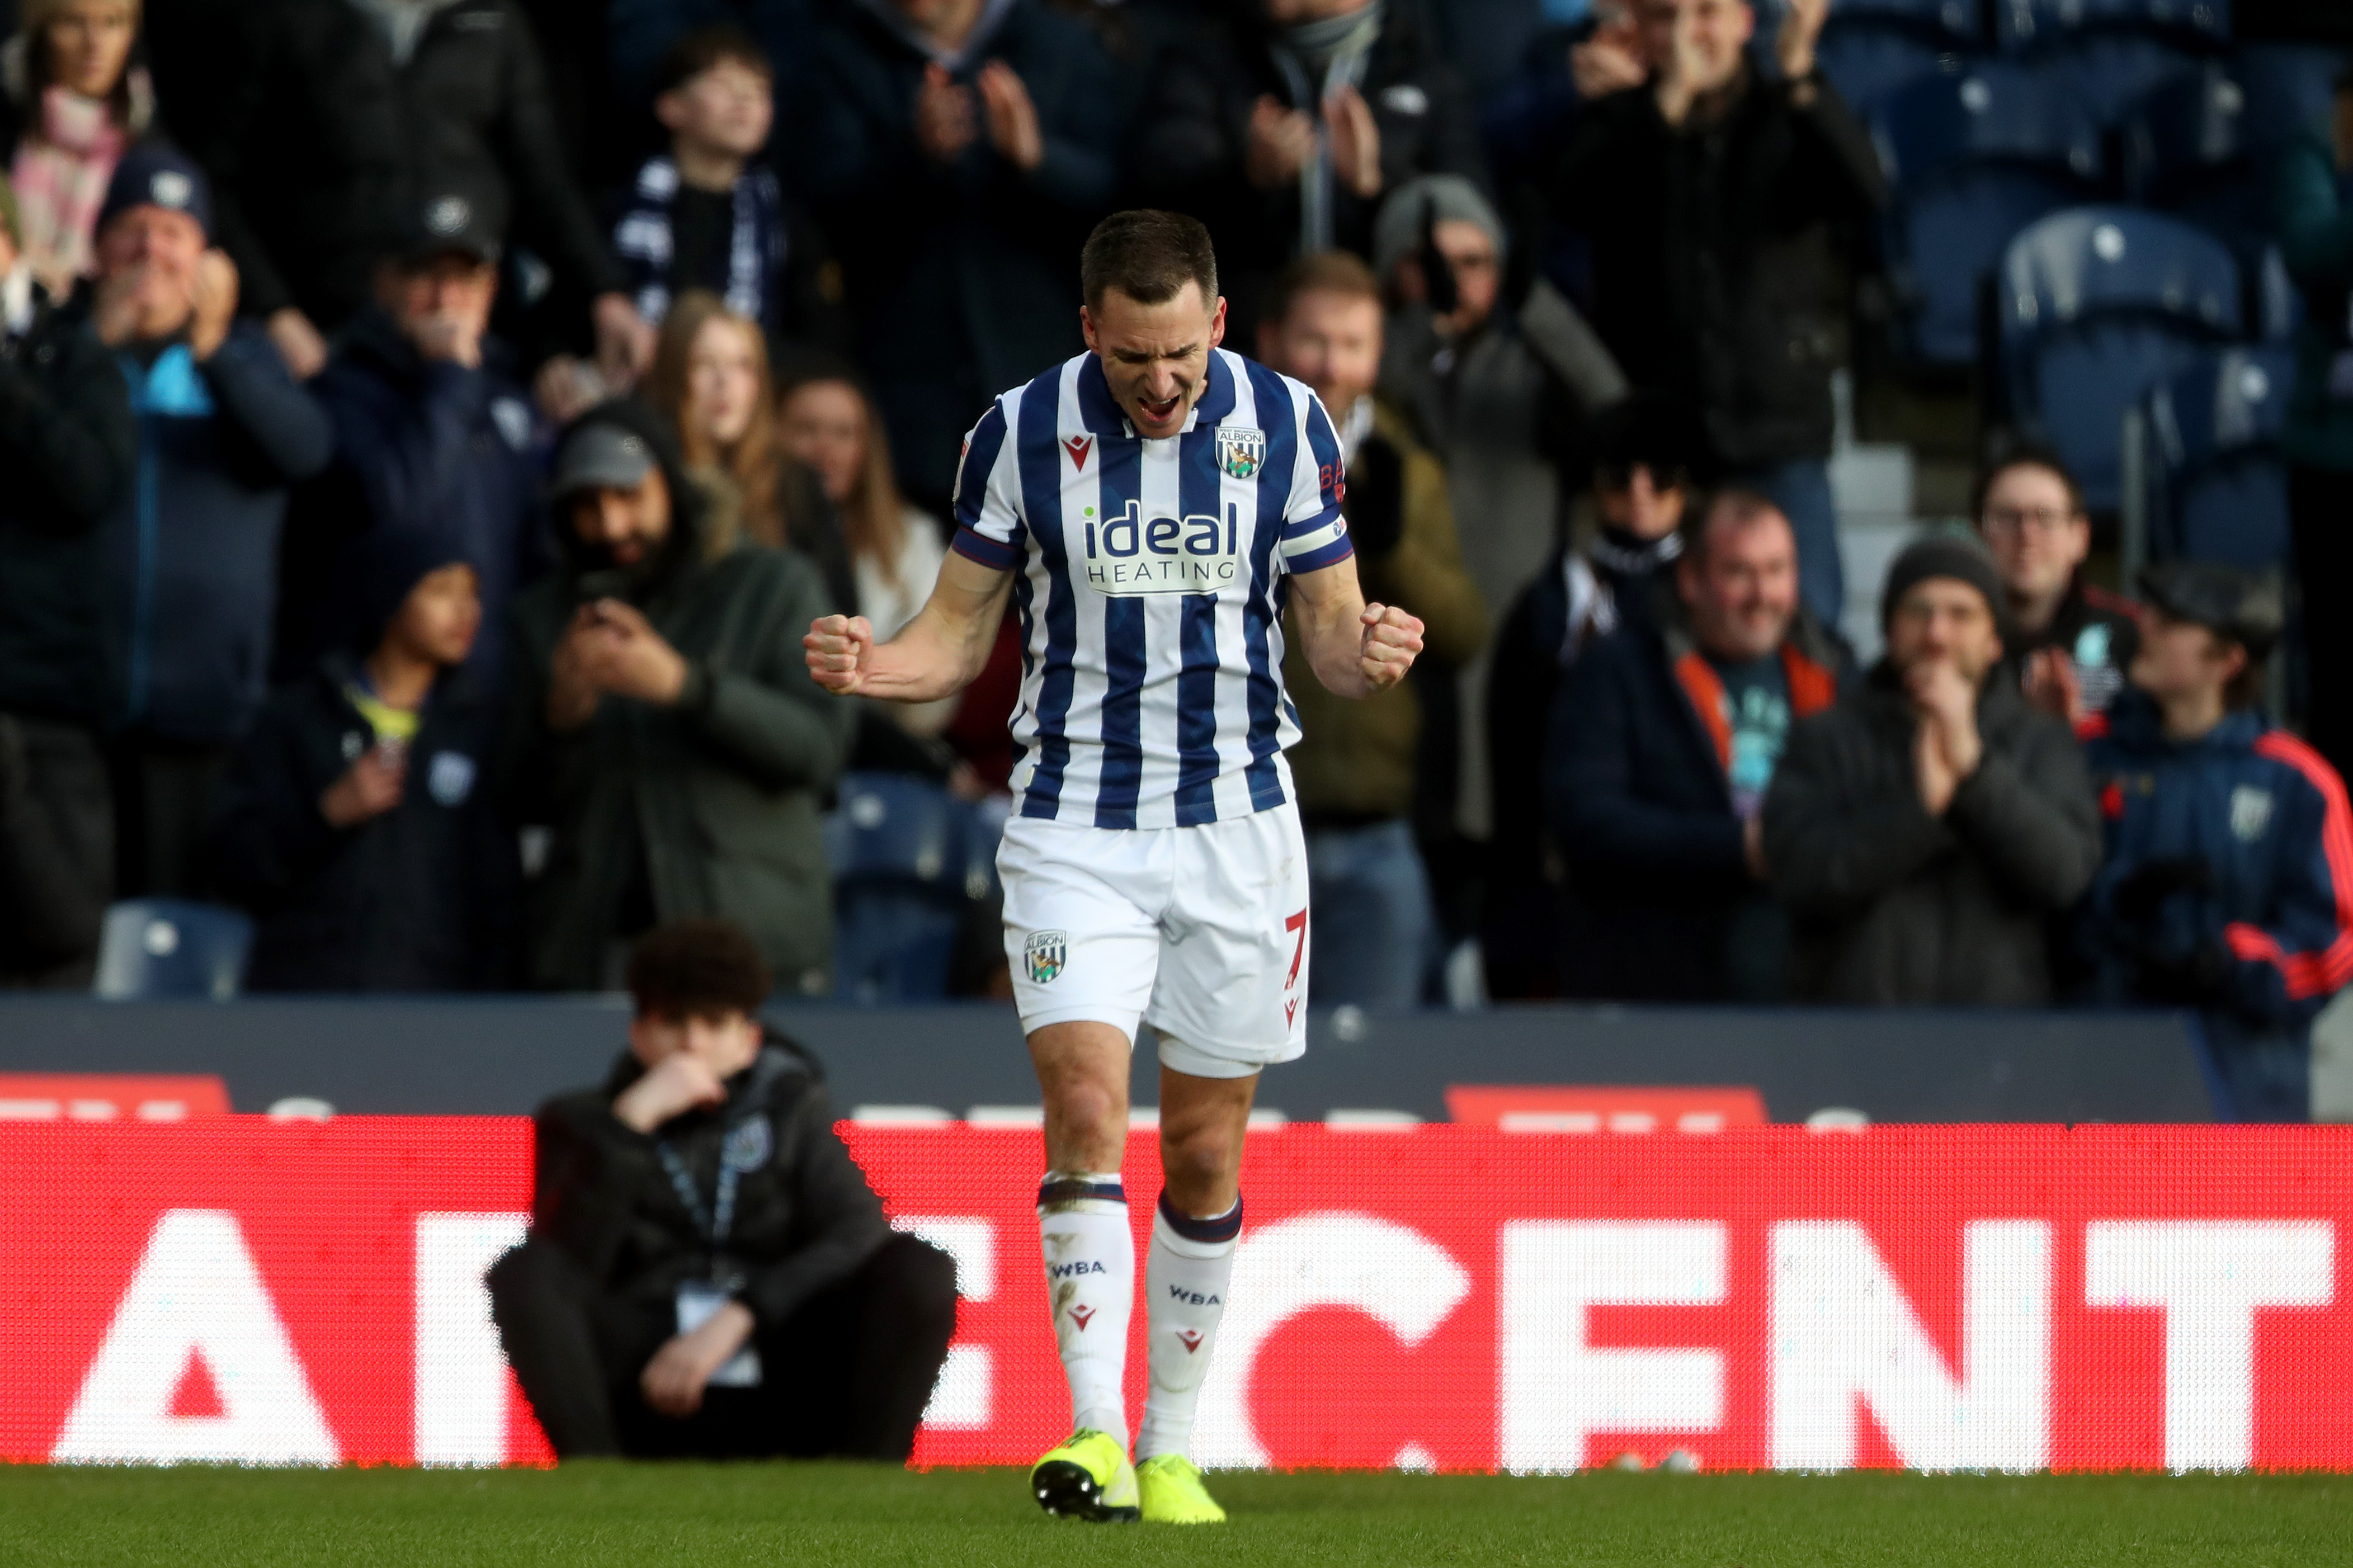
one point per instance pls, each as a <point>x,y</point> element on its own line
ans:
<point>1446,198</point>
<point>1960,556</point>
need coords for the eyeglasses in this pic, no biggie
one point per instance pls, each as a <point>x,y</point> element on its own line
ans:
<point>2047,520</point>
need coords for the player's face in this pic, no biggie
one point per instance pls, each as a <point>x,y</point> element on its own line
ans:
<point>1156,357</point>
<point>1330,340</point>
<point>1743,588</point>
<point>2036,535</point>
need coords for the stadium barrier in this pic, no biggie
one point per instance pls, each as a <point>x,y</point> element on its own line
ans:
<point>1430,1297</point>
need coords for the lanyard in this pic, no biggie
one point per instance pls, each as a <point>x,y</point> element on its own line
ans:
<point>716,1221</point>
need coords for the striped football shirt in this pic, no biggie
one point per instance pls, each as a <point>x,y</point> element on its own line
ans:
<point>1149,576</point>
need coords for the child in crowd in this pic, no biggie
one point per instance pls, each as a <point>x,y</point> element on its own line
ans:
<point>705,215</point>
<point>358,824</point>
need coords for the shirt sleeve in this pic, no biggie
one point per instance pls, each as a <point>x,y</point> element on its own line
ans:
<point>988,523</point>
<point>2302,954</point>
<point>1315,535</point>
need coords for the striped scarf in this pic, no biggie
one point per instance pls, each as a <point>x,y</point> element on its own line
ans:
<point>755,253</point>
<point>60,176</point>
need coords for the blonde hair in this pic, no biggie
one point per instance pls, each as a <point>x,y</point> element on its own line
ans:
<point>873,515</point>
<point>752,468</point>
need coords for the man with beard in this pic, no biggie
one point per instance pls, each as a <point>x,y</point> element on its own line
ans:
<point>666,727</point>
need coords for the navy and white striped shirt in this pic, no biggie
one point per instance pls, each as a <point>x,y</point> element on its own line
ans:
<point>1150,584</point>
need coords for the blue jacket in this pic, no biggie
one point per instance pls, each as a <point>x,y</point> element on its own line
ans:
<point>2267,818</point>
<point>190,547</point>
<point>433,446</point>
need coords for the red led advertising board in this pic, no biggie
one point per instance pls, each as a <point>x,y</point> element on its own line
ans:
<point>1449,1297</point>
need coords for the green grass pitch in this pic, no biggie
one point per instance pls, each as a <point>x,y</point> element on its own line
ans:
<point>651,1516</point>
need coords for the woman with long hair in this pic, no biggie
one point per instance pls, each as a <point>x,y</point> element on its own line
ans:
<point>711,381</point>
<point>71,101</point>
<point>829,423</point>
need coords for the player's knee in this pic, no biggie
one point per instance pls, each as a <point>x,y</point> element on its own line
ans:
<point>1199,1167</point>
<point>1089,1115</point>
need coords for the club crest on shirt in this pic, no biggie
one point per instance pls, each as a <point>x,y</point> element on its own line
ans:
<point>1241,451</point>
<point>1045,954</point>
<point>748,1145</point>
<point>2251,813</point>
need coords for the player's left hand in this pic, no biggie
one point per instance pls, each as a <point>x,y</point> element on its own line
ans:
<point>674,1380</point>
<point>1391,640</point>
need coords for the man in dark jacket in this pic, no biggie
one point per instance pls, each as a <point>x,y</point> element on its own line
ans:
<point>432,436</point>
<point>66,442</point>
<point>475,114</point>
<point>191,545</point>
<point>1719,205</point>
<point>1923,831</point>
<point>1282,124</point>
<point>957,154</point>
<point>707,1272</point>
<point>666,726</point>
<point>2074,640</point>
<point>359,824</point>
<point>2230,868</point>
<point>1666,737</point>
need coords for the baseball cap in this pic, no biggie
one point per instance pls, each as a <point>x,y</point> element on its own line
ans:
<point>158,174</point>
<point>597,455</point>
<point>455,217</point>
<point>2237,605</point>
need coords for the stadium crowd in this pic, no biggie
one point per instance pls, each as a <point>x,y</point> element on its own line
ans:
<point>431,426</point>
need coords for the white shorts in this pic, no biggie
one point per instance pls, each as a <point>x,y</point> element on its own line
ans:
<point>1199,931</point>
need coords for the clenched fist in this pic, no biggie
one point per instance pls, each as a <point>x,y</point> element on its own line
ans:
<point>839,648</point>
<point>1391,640</point>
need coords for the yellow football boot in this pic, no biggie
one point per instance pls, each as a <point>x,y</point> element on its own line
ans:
<point>1173,1492</point>
<point>1087,1477</point>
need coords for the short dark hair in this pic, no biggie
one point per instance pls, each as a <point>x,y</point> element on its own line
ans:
<point>1149,255</point>
<point>1742,504</point>
<point>722,43</point>
<point>2250,687</point>
<point>1321,272</point>
<point>2023,455</point>
<point>697,969</point>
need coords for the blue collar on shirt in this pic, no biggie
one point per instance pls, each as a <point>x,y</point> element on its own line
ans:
<point>173,386</point>
<point>1102,415</point>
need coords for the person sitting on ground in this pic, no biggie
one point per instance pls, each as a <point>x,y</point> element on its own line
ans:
<point>2230,860</point>
<point>1925,829</point>
<point>708,214</point>
<point>664,724</point>
<point>707,1272</point>
<point>2074,641</point>
<point>358,824</point>
<point>191,547</point>
<point>711,379</point>
<point>1612,568</point>
<point>1375,934</point>
<point>1665,736</point>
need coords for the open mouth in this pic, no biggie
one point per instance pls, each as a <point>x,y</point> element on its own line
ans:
<point>1160,413</point>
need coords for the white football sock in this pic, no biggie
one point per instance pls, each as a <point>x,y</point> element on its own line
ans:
<point>1191,1266</point>
<point>1091,1283</point>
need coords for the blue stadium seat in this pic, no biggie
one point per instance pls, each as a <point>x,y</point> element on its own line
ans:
<point>2111,52</point>
<point>172,949</point>
<point>2095,305</point>
<point>1972,160</point>
<point>908,859</point>
<point>2218,487</point>
<point>2185,149</point>
<point>2288,89</point>
<point>1870,48</point>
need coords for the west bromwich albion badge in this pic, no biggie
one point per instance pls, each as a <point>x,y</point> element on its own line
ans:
<point>1046,952</point>
<point>1241,451</point>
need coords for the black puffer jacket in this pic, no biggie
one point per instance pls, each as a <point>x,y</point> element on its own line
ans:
<point>420,898</point>
<point>66,445</point>
<point>1892,906</point>
<point>805,1217</point>
<point>1720,255</point>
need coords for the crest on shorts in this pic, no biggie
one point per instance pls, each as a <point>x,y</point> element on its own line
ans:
<point>1241,451</point>
<point>1046,952</point>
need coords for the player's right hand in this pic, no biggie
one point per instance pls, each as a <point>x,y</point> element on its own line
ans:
<point>839,648</point>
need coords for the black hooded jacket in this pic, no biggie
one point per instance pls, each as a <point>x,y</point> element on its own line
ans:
<point>708,806</point>
<point>805,1217</point>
